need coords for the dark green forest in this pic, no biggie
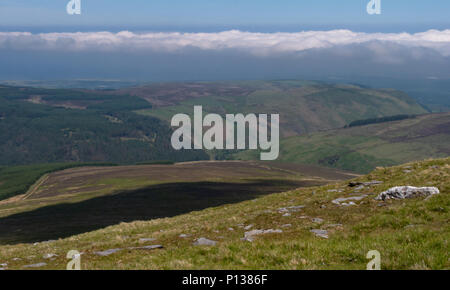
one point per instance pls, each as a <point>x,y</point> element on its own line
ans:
<point>48,126</point>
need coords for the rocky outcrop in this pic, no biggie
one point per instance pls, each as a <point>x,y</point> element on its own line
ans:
<point>402,192</point>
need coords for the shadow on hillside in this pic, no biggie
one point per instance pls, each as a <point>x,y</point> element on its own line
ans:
<point>164,200</point>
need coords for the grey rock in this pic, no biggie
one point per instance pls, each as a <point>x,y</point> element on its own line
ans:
<point>342,200</point>
<point>290,209</point>
<point>183,236</point>
<point>2,269</point>
<point>368,183</point>
<point>4,265</point>
<point>204,242</point>
<point>38,265</point>
<point>49,256</point>
<point>317,220</point>
<point>286,226</point>
<point>320,233</point>
<point>147,240</point>
<point>287,214</point>
<point>16,259</point>
<point>107,252</point>
<point>248,227</point>
<point>402,192</point>
<point>230,229</point>
<point>248,236</point>
<point>152,247</point>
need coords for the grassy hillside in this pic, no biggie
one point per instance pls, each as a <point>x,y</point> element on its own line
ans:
<point>409,234</point>
<point>303,106</point>
<point>68,202</point>
<point>17,180</point>
<point>362,148</point>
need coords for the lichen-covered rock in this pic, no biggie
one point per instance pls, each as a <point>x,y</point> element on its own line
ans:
<point>204,242</point>
<point>402,192</point>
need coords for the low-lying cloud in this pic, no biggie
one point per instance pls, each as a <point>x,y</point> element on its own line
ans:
<point>258,44</point>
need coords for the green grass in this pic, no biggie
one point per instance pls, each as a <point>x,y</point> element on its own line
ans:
<point>409,234</point>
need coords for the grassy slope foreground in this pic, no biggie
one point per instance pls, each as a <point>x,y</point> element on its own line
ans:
<point>79,200</point>
<point>410,234</point>
<point>363,148</point>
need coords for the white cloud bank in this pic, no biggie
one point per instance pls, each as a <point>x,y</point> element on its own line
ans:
<point>261,44</point>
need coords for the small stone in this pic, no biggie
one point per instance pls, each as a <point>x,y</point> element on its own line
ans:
<point>152,247</point>
<point>286,226</point>
<point>147,240</point>
<point>287,214</point>
<point>320,233</point>
<point>17,259</point>
<point>230,229</point>
<point>290,209</point>
<point>317,220</point>
<point>107,252</point>
<point>49,256</point>
<point>38,265</point>
<point>248,236</point>
<point>204,242</point>
<point>248,227</point>
<point>368,183</point>
<point>3,265</point>
<point>340,201</point>
<point>183,236</point>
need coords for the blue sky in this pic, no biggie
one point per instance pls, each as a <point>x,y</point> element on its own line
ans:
<point>144,39</point>
<point>414,15</point>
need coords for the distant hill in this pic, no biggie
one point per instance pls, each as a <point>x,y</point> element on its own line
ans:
<point>304,107</point>
<point>362,148</point>
<point>39,125</point>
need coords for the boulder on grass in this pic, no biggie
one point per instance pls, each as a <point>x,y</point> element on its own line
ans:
<point>402,192</point>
